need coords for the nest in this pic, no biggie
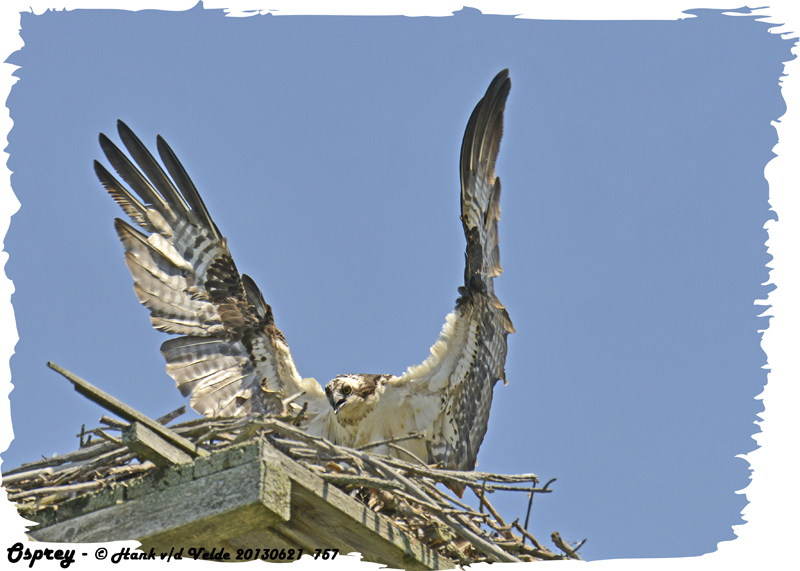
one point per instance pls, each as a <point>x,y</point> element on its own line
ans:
<point>405,491</point>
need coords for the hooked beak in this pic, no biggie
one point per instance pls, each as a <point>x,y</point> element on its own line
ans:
<point>338,405</point>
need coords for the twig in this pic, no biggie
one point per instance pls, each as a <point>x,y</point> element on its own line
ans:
<point>359,481</point>
<point>490,549</point>
<point>99,432</point>
<point>472,478</point>
<point>562,545</point>
<point>114,423</point>
<point>501,487</point>
<point>409,436</point>
<point>82,454</point>
<point>86,467</point>
<point>169,417</point>
<point>494,513</point>
<point>528,514</point>
<point>468,513</point>
<point>61,489</point>
<point>443,498</point>
<point>466,478</point>
<point>518,547</point>
<point>11,480</point>
<point>525,533</point>
<point>428,505</point>
<point>299,416</point>
<point>408,452</point>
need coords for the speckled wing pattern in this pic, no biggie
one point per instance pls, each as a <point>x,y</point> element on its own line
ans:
<point>469,357</point>
<point>229,356</point>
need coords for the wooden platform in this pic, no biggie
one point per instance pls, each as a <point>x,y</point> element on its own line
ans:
<point>246,496</point>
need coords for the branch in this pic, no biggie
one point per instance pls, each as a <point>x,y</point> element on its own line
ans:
<point>409,436</point>
<point>169,417</point>
<point>358,481</point>
<point>526,533</point>
<point>562,545</point>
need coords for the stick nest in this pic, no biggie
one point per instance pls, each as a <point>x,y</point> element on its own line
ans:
<point>404,491</point>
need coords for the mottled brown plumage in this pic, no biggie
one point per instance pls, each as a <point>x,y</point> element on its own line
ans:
<point>231,358</point>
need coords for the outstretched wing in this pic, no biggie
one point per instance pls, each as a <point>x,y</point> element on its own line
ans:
<point>450,394</point>
<point>230,357</point>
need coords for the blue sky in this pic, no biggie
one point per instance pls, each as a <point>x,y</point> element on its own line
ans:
<point>632,237</point>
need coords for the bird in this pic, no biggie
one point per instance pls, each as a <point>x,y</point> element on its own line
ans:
<point>228,355</point>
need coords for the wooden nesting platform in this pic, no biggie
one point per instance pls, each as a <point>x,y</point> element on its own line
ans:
<point>258,482</point>
<point>249,495</point>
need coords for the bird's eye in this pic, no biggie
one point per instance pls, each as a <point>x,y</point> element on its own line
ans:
<point>346,390</point>
<point>328,391</point>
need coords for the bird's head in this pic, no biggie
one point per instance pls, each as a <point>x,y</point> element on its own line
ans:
<point>353,396</point>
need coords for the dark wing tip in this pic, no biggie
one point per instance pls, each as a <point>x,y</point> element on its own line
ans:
<point>185,184</point>
<point>99,168</point>
<point>105,142</point>
<point>128,137</point>
<point>481,141</point>
<point>480,189</point>
<point>501,76</point>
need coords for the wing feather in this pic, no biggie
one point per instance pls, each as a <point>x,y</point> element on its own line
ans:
<point>229,356</point>
<point>130,174</point>
<point>152,169</point>
<point>129,203</point>
<point>457,379</point>
<point>186,185</point>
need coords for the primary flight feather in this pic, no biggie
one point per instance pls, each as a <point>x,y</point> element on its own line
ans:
<point>230,357</point>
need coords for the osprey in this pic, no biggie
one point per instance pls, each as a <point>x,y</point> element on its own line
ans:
<point>232,359</point>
